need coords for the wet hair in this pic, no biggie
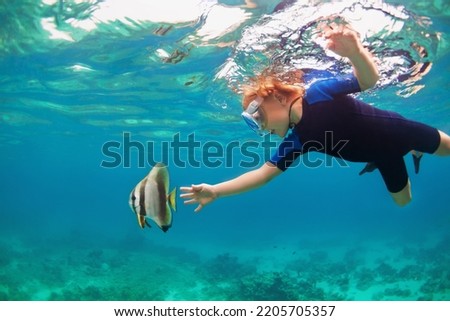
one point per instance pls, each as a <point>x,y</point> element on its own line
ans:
<point>269,84</point>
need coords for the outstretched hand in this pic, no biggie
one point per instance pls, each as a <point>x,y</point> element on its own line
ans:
<point>202,194</point>
<point>341,39</point>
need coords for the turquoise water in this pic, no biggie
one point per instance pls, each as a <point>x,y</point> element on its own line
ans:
<point>76,76</point>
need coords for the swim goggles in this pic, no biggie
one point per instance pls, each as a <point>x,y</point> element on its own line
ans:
<point>254,118</point>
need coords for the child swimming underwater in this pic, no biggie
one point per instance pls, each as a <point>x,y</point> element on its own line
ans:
<point>378,137</point>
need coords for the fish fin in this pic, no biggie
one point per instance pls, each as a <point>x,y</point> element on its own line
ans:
<point>171,198</point>
<point>146,223</point>
<point>141,220</point>
<point>370,167</point>
<point>416,160</point>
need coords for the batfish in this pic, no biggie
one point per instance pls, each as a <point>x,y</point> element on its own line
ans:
<point>151,199</point>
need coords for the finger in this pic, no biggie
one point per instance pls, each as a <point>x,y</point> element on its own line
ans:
<point>322,27</point>
<point>330,32</point>
<point>197,188</point>
<point>185,189</point>
<point>330,26</point>
<point>325,28</point>
<point>187,195</point>
<point>191,201</point>
<point>199,208</point>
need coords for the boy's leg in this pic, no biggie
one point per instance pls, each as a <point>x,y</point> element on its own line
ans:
<point>404,196</point>
<point>395,176</point>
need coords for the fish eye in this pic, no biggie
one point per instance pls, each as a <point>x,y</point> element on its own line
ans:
<point>133,198</point>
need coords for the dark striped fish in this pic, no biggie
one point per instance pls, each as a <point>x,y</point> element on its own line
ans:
<point>151,199</point>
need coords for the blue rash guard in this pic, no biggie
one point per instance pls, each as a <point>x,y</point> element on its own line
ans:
<point>335,123</point>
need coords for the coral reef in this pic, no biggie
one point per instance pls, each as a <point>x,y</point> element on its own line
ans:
<point>226,267</point>
<point>269,286</point>
<point>126,273</point>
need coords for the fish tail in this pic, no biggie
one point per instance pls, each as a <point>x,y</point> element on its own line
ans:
<point>171,198</point>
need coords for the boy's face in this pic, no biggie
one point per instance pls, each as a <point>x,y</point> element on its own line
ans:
<point>276,116</point>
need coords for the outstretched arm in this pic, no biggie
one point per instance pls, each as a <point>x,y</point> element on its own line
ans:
<point>204,194</point>
<point>345,42</point>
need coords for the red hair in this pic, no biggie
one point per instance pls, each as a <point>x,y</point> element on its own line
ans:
<point>268,85</point>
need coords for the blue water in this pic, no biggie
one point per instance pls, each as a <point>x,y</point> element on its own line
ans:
<point>66,230</point>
